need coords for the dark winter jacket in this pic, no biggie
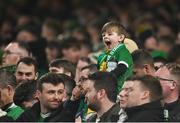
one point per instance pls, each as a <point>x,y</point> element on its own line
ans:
<point>173,111</point>
<point>149,112</point>
<point>33,115</point>
<point>65,113</point>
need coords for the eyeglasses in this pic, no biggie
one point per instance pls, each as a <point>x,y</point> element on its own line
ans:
<point>164,79</point>
<point>82,79</point>
<point>156,68</point>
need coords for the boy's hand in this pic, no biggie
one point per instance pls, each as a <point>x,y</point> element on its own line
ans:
<point>78,119</point>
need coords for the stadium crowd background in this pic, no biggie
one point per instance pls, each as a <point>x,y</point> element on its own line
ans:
<point>54,20</point>
<point>65,36</point>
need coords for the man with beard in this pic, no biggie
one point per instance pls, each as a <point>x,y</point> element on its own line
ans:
<point>26,69</point>
<point>50,94</point>
<point>101,96</point>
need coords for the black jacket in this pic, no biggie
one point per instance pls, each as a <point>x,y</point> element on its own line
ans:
<point>6,119</point>
<point>65,112</point>
<point>173,111</point>
<point>149,112</point>
<point>114,114</point>
<point>33,115</point>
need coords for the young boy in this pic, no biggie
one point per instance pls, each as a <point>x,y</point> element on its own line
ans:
<point>117,58</point>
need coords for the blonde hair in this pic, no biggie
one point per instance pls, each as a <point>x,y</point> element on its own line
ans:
<point>174,70</point>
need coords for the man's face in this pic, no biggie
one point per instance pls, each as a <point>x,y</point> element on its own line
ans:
<point>124,93</point>
<point>51,53</point>
<point>138,71</point>
<point>72,54</point>
<point>92,97</point>
<point>130,94</point>
<point>12,54</point>
<point>25,36</point>
<point>51,96</point>
<point>84,73</point>
<point>48,33</point>
<point>4,96</point>
<point>151,43</point>
<point>25,72</point>
<point>81,64</point>
<point>164,47</point>
<point>111,39</point>
<point>165,80</point>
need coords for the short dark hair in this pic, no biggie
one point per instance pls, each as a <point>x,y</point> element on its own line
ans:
<point>7,78</point>
<point>25,92</point>
<point>69,83</point>
<point>86,59</point>
<point>67,65</point>
<point>28,61</point>
<point>141,57</point>
<point>150,83</point>
<point>92,68</point>
<point>106,81</point>
<point>50,78</point>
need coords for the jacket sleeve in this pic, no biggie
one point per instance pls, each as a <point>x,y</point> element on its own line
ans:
<point>119,70</point>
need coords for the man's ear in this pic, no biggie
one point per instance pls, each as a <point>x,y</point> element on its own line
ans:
<point>10,90</point>
<point>145,95</point>
<point>101,93</point>
<point>36,76</point>
<point>173,85</point>
<point>38,93</point>
<point>146,69</point>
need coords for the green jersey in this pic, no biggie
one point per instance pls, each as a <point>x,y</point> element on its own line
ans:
<point>119,55</point>
<point>14,111</point>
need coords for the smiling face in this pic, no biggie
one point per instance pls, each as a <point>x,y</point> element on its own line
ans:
<point>25,72</point>
<point>51,96</point>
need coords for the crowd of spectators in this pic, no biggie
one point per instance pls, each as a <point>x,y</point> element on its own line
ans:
<point>89,61</point>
